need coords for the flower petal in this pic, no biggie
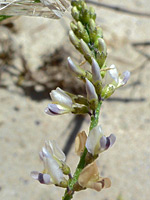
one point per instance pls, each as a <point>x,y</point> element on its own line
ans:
<point>80,142</point>
<point>124,79</point>
<point>90,90</point>
<point>42,178</point>
<point>54,109</point>
<point>96,71</point>
<point>90,172</point>
<point>60,97</point>
<point>92,143</point>
<point>57,152</point>
<point>114,73</point>
<point>107,142</point>
<point>54,170</point>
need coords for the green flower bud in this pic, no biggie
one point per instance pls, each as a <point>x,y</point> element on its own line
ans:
<point>100,57</point>
<point>94,32</point>
<point>63,184</point>
<point>74,40</point>
<point>99,32</point>
<point>65,169</point>
<point>83,32</point>
<point>92,25</point>
<point>73,27</point>
<point>102,46</point>
<point>85,14</point>
<point>92,13</point>
<point>86,51</point>
<point>74,3</point>
<point>77,3</point>
<point>75,13</point>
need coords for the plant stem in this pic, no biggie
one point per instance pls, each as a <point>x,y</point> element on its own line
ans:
<point>69,192</point>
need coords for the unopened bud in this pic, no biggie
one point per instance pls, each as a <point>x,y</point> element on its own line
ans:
<point>85,14</point>
<point>96,71</point>
<point>91,95</point>
<point>92,25</point>
<point>74,40</point>
<point>101,57</point>
<point>73,26</point>
<point>76,69</point>
<point>99,32</point>
<point>75,13</point>
<point>65,169</point>
<point>102,46</point>
<point>83,32</point>
<point>96,76</point>
<point>92,13</point>
<point>63,184</point>
<point>86,51</point>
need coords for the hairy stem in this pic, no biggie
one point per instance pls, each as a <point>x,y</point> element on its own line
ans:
<point>69,192</point>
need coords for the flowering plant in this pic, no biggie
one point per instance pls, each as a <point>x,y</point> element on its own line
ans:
<point>88,39</point>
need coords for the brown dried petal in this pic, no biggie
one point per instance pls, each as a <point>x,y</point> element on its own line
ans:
<point>98,186</point>
<point>80,142</point>
<point>90,172</point>
<point>89,178</point>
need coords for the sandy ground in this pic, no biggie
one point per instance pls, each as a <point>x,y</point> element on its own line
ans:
<point>24,126</point>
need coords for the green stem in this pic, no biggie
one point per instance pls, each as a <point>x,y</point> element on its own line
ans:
<point>69,192</point>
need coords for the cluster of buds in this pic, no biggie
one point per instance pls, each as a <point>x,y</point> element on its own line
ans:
<point>88,39</point>
<point>85,35</point>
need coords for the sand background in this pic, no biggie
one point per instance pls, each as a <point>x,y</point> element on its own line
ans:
<point>42,46</point>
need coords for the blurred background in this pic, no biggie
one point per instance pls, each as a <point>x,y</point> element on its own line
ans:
<point>33,53</point>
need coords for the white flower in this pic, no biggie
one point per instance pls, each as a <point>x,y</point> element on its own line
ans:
<point>119,80</point>
<point>53,158</point>
<point>97,142</point>
<point>61,103</point>
<point>93,140</point>
<point>115,82</point>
